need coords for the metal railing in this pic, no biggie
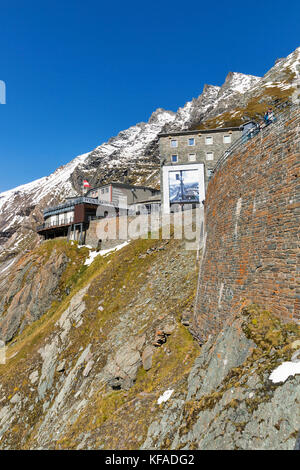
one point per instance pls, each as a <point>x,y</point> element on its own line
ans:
<point>281,113</point>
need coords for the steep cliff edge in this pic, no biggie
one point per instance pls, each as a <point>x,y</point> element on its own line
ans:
<point>35,281</point>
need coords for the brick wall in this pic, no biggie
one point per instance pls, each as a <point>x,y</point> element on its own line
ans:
<point>252,224</point>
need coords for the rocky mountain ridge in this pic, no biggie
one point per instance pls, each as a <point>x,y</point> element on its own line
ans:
<point>99,350</point>
<point>133,154</point>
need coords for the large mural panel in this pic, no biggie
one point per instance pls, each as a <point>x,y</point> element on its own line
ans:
<point>183,186</point>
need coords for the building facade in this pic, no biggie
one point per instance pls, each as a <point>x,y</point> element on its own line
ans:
<point>187,162</point>
<point>72,218</point>
<point>122,194</point>
<point>69,219</point>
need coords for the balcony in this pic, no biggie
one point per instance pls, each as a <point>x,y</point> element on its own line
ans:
<point>69,205</point>
<point>55,224</point>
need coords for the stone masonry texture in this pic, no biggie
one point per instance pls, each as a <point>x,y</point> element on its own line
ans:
<point>252,213</point>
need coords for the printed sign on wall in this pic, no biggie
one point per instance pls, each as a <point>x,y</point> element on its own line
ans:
<point>184,186</point>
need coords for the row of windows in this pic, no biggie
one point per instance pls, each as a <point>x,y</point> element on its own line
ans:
<point>209,140</point>
<point>192,157</point>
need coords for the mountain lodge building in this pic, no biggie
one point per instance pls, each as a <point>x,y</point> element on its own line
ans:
<point>72,218</point>
<point>187,160</point>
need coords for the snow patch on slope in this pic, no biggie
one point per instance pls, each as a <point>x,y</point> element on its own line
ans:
<point>284,371</point>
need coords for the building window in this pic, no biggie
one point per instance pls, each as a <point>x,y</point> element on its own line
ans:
<point>191,141</point>
<point>209,156</point>
<point>192,157</point>
<point>174,158</point>
<point>107,189</point>
<point>174,143</point>
<point>209,140</point>
<point>102,191</point>
<point>227,139</point>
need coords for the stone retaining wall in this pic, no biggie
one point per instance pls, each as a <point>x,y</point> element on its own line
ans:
<point>252,216</point>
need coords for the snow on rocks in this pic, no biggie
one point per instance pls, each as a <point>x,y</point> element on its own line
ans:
<point>115,248</point>
<point>39,188</point>
<point>91,258</point>
<point>284,371</point>
<point>93,254</point>
<point>165,396</point>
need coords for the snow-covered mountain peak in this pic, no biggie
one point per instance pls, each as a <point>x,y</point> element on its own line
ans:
<point>292,61</point>
<point>161,116</point>
<point>239,82</point>
<point>208,89</point>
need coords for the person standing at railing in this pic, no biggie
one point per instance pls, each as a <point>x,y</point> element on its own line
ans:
<point>269,117</point>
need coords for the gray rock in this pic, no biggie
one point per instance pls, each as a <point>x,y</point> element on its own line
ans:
<point>121,371</point>
<point>147,357</point>
<point>88,368</point>
<point>169,329</point>
<point>28,302</point>
<point>296,356</point>
<point>16,398</point>
<point>230,349</point>
<point>61,366</point>
<point>33,377</point>
<point>297,444</point>
<point>253,416</point>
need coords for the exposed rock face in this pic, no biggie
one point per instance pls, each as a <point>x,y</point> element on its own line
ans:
<point>30,290</point>
<point>230,401</point>
<point>121,371</point>
<point>26,303</point>
<point>147,357</point>
<point>213,101</point>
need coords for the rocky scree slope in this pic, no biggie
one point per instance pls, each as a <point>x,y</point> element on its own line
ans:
<point>133,154</point>
<point>35,281</point>
<point>111,366</point>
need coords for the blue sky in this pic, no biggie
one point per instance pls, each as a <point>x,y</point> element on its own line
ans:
<point>78,72</point>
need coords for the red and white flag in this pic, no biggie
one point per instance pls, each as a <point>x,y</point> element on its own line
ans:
<point>86,184</point>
